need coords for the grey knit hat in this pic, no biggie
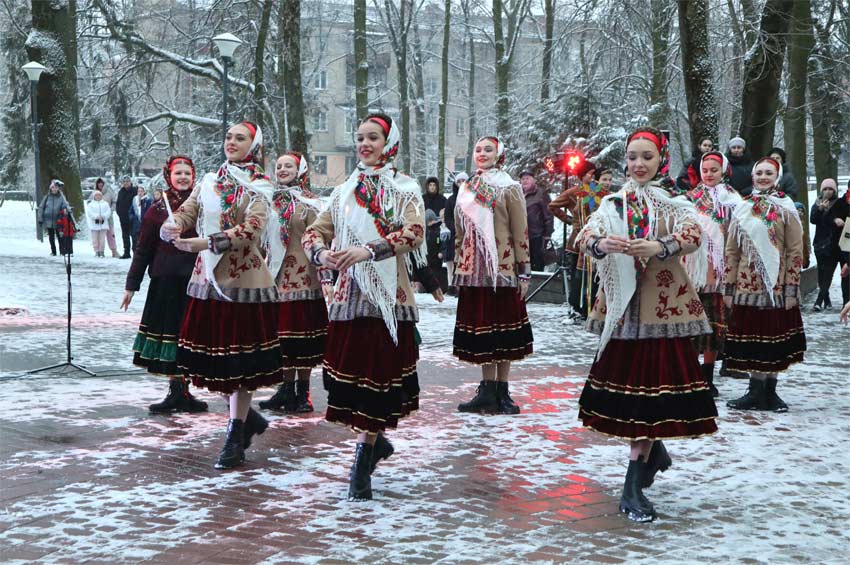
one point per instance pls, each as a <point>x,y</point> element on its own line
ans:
<point>737,142</point>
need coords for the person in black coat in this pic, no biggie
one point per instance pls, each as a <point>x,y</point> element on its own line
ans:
<point>828,216</point>
<point>123,204</point>
<point>432,197</point>
<point>787,184</point>
<point>689,177</point>
<point>449,221</point>
<point>741,164</point>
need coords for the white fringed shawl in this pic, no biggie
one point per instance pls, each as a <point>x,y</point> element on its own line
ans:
<point>354,227</point>
<point>724,201</point>
<point>617,272</point>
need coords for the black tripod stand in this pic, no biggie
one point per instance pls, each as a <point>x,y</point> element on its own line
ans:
<point>66,256</point>
<point>564,268</point>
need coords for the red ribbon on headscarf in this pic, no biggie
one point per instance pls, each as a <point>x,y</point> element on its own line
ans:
<point>381,122</point>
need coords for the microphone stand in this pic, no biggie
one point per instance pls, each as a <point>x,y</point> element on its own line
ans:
<point>69,361</point>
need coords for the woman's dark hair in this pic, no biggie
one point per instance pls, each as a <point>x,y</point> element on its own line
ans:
<point>779,151</point>
<point>99,181</point>
<point>429,180</point>
<point>381,116</point>
<point>602,171</point>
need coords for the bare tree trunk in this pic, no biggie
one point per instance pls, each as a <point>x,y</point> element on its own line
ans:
<point>289,77</point>
<point>762,75</point>
<point>822,103</point>
<point>361,73</point>
<point>696,70</point>
<point>259,72</point>
<point>659,110</point>
<point>418,150</point>
<point>502,72</point>
<point>53,43</point>
<point>549,10</point>
<point>470,144</point>
<point>444,95</point>
<point>799,46</point>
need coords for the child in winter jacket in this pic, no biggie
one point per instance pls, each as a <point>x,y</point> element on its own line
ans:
<point>97,217</point>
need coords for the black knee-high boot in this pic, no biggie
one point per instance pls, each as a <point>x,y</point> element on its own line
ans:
<point>633,503</point>
<point>360,480</point>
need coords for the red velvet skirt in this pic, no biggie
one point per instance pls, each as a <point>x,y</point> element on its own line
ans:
<point>648,389</point>
<point>371,382</point>
<point>712,303</point>
<point>302,327</point>
<point>155,347</point>
<point>766,340</point>
<point>491,326</point>
<point>230,346</point>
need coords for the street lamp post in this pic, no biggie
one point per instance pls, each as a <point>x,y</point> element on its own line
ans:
<point>226,44</point>
<point>34,71</point>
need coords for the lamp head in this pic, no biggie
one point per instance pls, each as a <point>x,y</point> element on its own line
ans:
<point>227,44</point>
<point>34,70</point>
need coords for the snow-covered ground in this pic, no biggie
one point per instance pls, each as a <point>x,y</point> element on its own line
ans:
<point>87,474</point>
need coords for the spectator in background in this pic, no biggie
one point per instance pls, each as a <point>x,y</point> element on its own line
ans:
<point>108,196</point>
<point>50,209</point>
<point>689,177</point>
<point>432,197</point>
<point>157,195</point>
<point>604,178</point>
<point>828,215</point>
<point>541,223</point>
<point>742,166</point>
<point>435,259</point>
<point>98,213</point>
<point>787,184</point>
<point>449,221</point>
<point>123,205</point>
<point>141,203</point>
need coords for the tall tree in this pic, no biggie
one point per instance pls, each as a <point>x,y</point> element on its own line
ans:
<point>260,90</point>
<point>660,22</point>
<point>444,93</point>
<point>696,70</point>
<point>504,43</point>
<point>361,65</point>
<point>762,75</point>
<point>418,164</point>
<point>800,43</point>
<point>824,104</point>
<point>548,42</point>
<point>397,20</point>
<point>53,43</point>
<point>470,41</point>
<point>15,143</point>
<point>289,76</point>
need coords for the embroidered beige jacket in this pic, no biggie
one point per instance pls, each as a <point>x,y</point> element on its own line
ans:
<point>241,273</point>
<point>510,225</point>
<point>349,302</point>
<point>742,279</point>
<point>665,303</point>
<point>298,278</point>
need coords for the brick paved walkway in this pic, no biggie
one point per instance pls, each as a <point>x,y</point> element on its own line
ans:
<point>88,476</point>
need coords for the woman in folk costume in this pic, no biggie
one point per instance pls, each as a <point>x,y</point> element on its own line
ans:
<point>764,254</point>
<point>303,316</point>
<point>645,384</point>
<point>715,201</point>
<point>492,270</point>
<point>376,218</point>
<point>228,339</point>
<point>169,268</point>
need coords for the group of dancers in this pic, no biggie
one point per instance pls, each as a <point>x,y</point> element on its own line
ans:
<point>242,268</point>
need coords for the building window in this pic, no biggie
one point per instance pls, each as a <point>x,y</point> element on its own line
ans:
<point>350,121</point>
<point>320,81</point>
<point>431,86</point>
<point>431,123</point>
<point>320,164</point>
<point>460,126</point>
<point>351,163</point>
<point>320,121</point>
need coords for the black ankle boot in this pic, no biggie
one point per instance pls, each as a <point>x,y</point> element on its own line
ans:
<point>302,397</point>
<point>708,375</point>
<point>658,460</point>
<point>254,424</point>
<point>283,399</point>
<point>233,453</point>
<point>486,400</point>
<point>506,403</point>
<point>189,403</point>
<point>360,480</point>
<point>774,403</point>
<point>172,400</point>
<point>755,399</point>
<point>633,503</point>
<point>383,450</point>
